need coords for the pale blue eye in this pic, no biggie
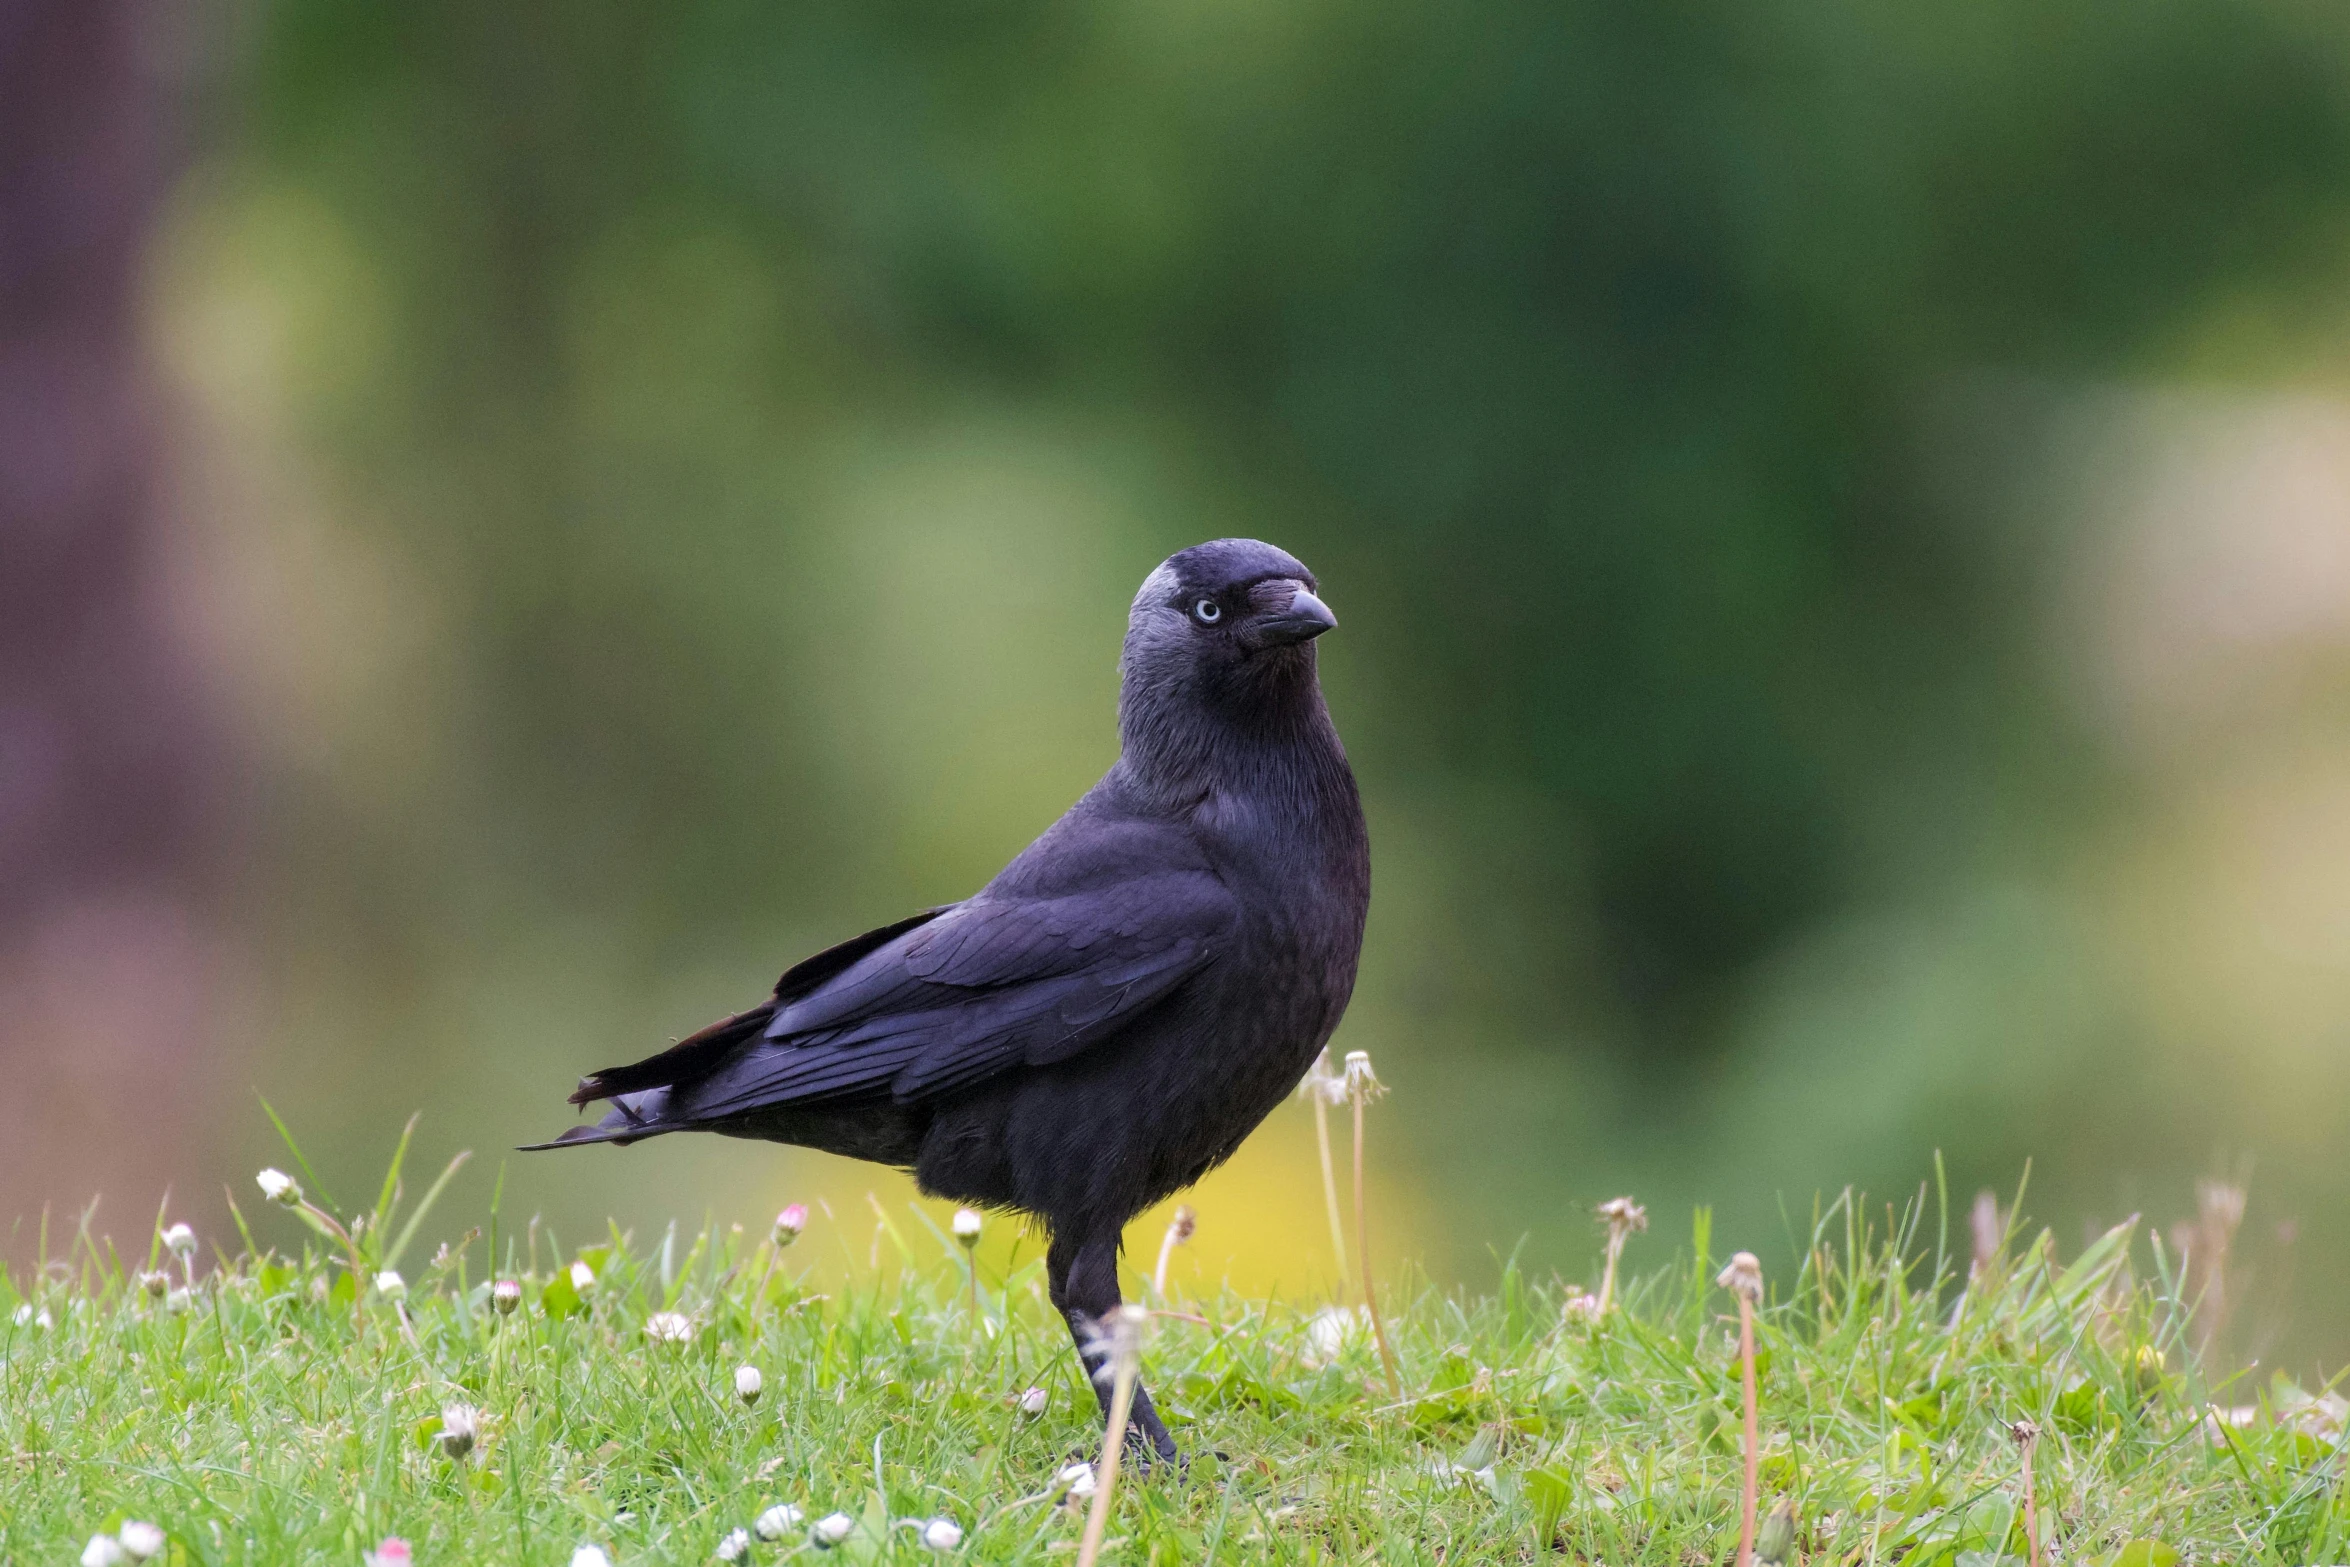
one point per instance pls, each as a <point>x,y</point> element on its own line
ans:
<point>1208,611</point>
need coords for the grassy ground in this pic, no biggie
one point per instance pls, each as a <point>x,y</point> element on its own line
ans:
<point>273,1413</point>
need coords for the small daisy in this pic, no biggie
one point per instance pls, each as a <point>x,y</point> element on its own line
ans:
<point>279,1187</point>
<point>777,1521</point>
<point>942,1534</point>
<point>460,1426</point>
<point>748,1384</point>
<point>669,1327</point>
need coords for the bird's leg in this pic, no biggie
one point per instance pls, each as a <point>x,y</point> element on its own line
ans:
<point>1083,1276</point>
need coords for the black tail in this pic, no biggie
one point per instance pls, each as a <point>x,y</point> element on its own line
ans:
<point>640,1092</point>
<point>691,1057</point>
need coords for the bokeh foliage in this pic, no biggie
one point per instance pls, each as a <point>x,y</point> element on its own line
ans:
<point>727,434</point>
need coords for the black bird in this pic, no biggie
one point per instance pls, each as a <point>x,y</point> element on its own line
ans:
<point>1104,1022</point>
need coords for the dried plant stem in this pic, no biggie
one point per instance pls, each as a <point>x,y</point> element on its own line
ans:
<point>2027,1437</point>
<point>1746,1496</point>
<point>1166,1255</point>
<point>1330,1188</point>
<point>1363,1247</point>
<point>1097,1517</point>
<point>1607,1279</point>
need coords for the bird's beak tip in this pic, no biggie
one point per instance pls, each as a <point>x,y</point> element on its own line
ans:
<point>1305,618</point>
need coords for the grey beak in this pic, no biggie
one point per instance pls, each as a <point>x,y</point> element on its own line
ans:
<point>1306,618</point>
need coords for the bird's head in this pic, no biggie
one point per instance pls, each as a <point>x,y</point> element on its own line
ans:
<point>1224,628</point>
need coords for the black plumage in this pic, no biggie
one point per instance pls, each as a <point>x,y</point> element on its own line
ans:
<point>1104,1022</point>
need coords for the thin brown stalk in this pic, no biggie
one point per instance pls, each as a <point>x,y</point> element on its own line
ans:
<point>1124,1353</point>
<point>1746,1498</point>
<point>2027,1437</point>
<point>1363,1247</point>
<point>1330,1185</point>
<point>1178,1231</point>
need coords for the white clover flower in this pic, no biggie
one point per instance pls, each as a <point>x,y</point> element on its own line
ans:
<point>735,1546</point>
<point>833,1528</point>
<point>583,1279</point>
<point>968,1223</point>
<point>777,1521</point>
<point>505,1295</point>
<point>942,1534</point>
<point>1078,1478</point>
<point>460,1425</point>
<point>103,1551</point>
<point>180,1241</point>
<point>590,1556</point>
<point>748,1384</point>
<point>790,1222</point>
<point>1033,1401</point>
<point>278,1186</point>
<point>391,1286</point>
<point>141,1539</point>
<point>669,1327</point>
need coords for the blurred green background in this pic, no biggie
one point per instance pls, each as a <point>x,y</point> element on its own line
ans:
<point>1840,515</point>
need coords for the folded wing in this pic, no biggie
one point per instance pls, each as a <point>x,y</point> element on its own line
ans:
<point>944,1000</point>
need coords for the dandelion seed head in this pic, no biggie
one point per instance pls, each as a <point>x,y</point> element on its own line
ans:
<point>1361,1082</point>
<point>1623,1216</point>
<point>1743,1276</point>
<point>1183,1224</point>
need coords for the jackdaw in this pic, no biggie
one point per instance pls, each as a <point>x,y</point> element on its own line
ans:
<point>1104,1022</point>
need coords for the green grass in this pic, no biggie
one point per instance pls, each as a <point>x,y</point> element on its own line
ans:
<point>275,1414</point>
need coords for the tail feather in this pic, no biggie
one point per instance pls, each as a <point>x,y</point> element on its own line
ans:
<point>630,1120</point>
<point>689,1058</point>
